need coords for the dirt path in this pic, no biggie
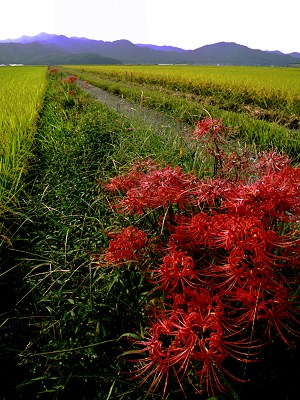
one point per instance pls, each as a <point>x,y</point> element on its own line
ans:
<point>151,118</point>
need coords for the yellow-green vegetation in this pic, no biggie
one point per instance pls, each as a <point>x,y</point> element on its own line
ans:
<point>263,103</point>
<point>21,96</point>
<point>266,86</point>
<point>255,78</point>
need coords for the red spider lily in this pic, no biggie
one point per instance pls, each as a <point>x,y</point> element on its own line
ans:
<point>173,343</point>
<point>132,178</point>
<point>52,70</point>
<point>229,231</point>
<point>237,166</point>
<point>213,128</point>
<point>226,284</point>
<point>193,299</point>
<point>176,271</point>
<point>191,337</point>
<point>209,193</point>
<point>268,162</point>
<point>257,306</point>
<point>160,355</point>
<point>191,233</point>
<point>244,165</point>
<point>237,235</point>
<point>125,245</point>
<point>250,259</point>
<point>275,197</point>
<point>71,79</point>
<point>211,133</point>
<point>157,189</point>
<point>279,313</point>
<point>247,240</point>
<point>244,273</point>
<point>124,183</point>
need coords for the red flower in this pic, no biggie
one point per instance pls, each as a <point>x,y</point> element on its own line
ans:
<point>52,70</point>
<point>176,272</point>
<point>210,193</point>
<point>227,280</point>
<point>279,311</point>
<point>275,197</point>
<point>189,337</point>
<point>125,245</point>
<point>191,234</point>
<point>213,128</point>
<point>257,305</point>
<point>267,163</point>
<point>243,238</point>
<point>71,79</point>
<point>131,179</point>
<point>157,189</point>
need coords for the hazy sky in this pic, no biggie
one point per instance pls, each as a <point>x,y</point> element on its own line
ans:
<point>189,24</point>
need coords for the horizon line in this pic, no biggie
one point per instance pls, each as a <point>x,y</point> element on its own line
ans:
<point>139,43</point>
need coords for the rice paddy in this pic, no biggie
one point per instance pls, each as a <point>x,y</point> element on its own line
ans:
<point>21,96</point>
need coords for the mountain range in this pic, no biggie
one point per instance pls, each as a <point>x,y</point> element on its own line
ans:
<point>50,49</point>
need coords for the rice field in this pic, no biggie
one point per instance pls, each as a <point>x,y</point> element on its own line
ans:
<point>21,96</point>
<point>264,86</point>
<point>263,103</point>
<point>271,79</point>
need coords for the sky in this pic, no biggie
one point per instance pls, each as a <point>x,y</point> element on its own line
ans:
<point>188,24</point>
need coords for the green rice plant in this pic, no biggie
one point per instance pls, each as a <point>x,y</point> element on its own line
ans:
<point>21,96</point>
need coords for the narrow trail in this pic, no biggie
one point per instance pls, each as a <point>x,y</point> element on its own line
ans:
<point>152,119</point>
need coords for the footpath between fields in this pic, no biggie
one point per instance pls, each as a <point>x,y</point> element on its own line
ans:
<point>155,120</point>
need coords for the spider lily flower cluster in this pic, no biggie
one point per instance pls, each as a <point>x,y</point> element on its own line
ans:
<point>71,90</point>
<point>222,255</point>
<point>70,79</point>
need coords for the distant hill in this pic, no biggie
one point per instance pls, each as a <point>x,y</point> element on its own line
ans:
<point>39,54</point>
<point>296,55</point>
<point>53,49</point>
<point>161,48</point>
<point>236,54</point>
